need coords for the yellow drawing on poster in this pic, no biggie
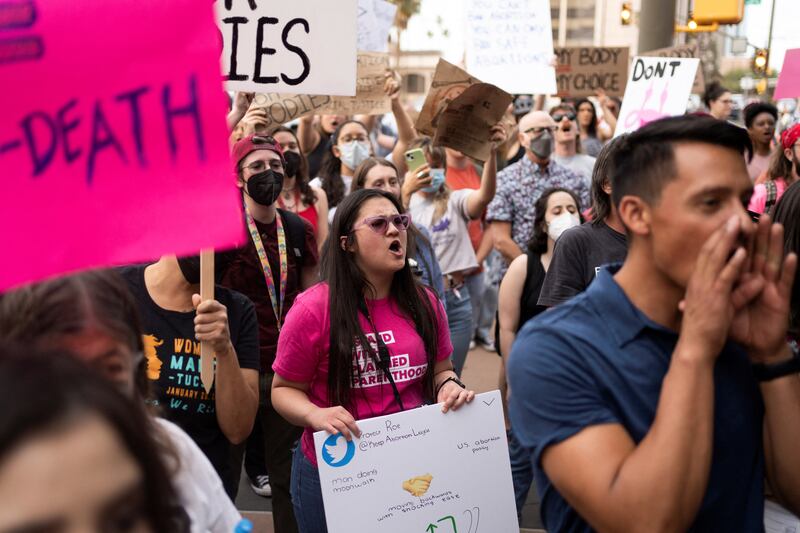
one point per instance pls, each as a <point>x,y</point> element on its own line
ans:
<point>418,486</point>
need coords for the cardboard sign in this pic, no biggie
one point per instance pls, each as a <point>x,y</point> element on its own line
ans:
<point>657,88</point>
<point>421,471</point>
<point>583,70</point>
<point>113,143</point>
<point>370,98</point>
<point>298,47</point>
<point>465,124</point>
<point>789,78</point>
<point>686,51</point>
<point>375,19</point>
<point>510,44</point>
<point>448,83</point>
<point>271,110</point>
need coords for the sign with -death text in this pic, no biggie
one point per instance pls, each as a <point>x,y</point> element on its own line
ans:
<point>421,471</point>
<point>297,47</point>
<point>113,143</point>
<point>657,88</point>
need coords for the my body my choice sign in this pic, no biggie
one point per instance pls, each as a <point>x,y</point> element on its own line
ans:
<point>297,47</point>
<point>421,471</point>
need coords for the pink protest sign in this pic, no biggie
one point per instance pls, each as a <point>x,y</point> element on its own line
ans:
<point>113,143</point>
<point>789,79</point>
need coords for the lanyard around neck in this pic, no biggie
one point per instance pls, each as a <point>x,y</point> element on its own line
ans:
<point>277,304</point>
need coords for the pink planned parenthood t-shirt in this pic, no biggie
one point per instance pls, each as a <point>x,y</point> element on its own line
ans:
<point>304,346</point>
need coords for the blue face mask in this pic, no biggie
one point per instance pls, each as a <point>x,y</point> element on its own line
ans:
<point>437,180</point>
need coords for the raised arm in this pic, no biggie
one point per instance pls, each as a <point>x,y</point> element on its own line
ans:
<point>480,198</point>
<point>307,135</point>
<point>241,103</point>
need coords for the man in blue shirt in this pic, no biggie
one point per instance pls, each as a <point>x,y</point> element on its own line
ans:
<point>659,399</point>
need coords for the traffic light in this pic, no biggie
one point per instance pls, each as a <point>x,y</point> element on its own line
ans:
<point>626,13</point>
<point>761,61</point>
<point>719,11</point>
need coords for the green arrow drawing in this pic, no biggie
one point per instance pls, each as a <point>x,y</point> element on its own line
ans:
<point>453,520</point>
<point>430,529</point>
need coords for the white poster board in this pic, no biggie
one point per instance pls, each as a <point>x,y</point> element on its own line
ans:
<point>657,87</point>
<point>375,19</point>
<point>421,471</point>
<point>510,44</point>
<point>297,47</point>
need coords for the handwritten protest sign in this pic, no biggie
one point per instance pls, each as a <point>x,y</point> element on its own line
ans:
<point>465,123</point>
<point>370,98</point>
<point>583,70</point>
<point>684,51</point>
<point>448,83</point>
<point>128,159</point>
<point>273,109</point>
<point>421,471</point>
<point>657,88</point>
<point>789,78</point>
<point>375,19</point>
<point>510,44</point>
<point>298,47</point>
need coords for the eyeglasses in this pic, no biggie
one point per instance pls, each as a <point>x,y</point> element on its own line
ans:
<point>380,224</point>
<point>560,116</point>
<point>537,131</point>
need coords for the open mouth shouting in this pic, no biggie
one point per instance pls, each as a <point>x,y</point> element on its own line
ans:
<point>396,249</point>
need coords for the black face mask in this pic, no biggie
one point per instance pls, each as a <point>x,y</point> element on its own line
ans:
<point>292,166</point>
<point>190,268</point>
<point>265,187</point>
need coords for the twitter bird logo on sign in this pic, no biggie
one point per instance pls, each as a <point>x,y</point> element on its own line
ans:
<point>338,451</point>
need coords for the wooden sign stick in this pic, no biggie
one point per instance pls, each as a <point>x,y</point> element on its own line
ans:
<point>206,293</point>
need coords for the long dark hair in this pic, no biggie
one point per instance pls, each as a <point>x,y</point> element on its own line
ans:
<point>593,124</point>
<point>47,392</point>
<point>301,179</point>
<point>787,212</point>
<point>40,314</point>
<point>779,165</point>
<point>601,174</point>
<point>330,172</point>
<point>537,244</point>
<point>347,287</point>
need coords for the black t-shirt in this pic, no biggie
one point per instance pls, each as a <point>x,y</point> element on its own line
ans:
<point>173,365</point>
<point>577,258</point>
<point>528,306</point>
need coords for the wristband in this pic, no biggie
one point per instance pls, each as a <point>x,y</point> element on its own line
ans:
<point>454,379</point>
<point>764,372</point>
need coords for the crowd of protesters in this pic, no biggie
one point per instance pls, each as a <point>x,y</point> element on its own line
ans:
<point>636,288</point>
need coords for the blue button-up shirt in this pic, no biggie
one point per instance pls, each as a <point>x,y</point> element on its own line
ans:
<point>520,185</point>
<point>598,359</point>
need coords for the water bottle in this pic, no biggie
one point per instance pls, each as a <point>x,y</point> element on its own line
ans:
<point>244,526</point>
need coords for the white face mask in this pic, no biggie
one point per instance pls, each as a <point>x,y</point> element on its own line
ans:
<point>354,153</point>
<point>562,223</point>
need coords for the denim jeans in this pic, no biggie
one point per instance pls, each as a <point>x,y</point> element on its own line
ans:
<point>459,319</point>
<point>483,297</point>
<point>521,471</point>
<point>307,495</point>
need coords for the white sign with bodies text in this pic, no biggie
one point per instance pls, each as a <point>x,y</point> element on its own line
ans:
<point>421,471</point>
<point>298,47</point>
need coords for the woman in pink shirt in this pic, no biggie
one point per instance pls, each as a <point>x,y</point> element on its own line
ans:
<point>783,171</point>
<point>389,349</point>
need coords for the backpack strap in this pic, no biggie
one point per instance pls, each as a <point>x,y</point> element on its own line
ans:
<point>295,233</point>
<point>772,196</point>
